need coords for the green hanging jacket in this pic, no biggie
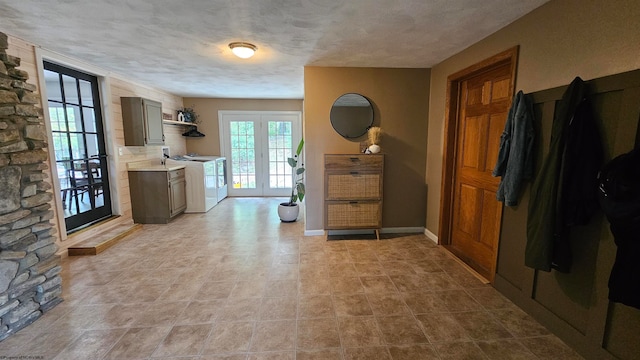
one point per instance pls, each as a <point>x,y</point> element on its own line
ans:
<point>562,194</point>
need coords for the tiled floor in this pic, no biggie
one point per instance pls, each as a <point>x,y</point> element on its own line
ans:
<point>235,283</point>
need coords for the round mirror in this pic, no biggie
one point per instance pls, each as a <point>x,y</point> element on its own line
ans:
<point>351,115</point>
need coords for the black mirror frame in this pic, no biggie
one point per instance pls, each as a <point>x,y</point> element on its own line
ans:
<point>334,119</point>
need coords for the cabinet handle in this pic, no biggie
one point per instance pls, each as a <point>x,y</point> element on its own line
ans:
<point>354,173</point>
<point>353,202</point>
<point>354,159</point>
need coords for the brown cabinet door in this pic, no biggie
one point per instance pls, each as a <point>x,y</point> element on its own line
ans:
<point>178,195</point>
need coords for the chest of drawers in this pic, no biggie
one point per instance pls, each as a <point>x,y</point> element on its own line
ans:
<point>353,191</point>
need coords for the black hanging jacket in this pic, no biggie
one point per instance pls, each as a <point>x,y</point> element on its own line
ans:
<point>619,197</point>
<point>564,191</point>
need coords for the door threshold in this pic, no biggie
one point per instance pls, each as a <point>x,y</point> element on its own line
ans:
<point>102,242</point>
<point>90,225</point>
<point>466,266</point>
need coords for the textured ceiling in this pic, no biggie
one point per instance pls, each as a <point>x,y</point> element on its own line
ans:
<point>181,46</point>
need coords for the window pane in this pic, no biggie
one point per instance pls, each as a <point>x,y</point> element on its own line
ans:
<point>70,89</point>
<point>77,146</point>
<point>242,155</point>
<point>89,120</point>
<point>73,118</point>
<point>60,146</point>
<point>92,145</point>
<point>86,93</point>
<point>56,114</point>
<point>52,80</point>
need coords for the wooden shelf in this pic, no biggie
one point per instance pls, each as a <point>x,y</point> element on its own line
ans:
<point>173,122</point>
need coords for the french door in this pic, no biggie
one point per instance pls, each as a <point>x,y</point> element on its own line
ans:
<point>257,145</point>
<point>79,147</point>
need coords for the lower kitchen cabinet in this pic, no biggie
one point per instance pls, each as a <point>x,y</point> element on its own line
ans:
<point>157,196</point>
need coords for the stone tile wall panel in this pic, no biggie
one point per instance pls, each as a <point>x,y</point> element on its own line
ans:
<point>30,282</point>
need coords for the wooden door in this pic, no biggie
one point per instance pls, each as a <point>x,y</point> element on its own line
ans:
<point>484,101</point>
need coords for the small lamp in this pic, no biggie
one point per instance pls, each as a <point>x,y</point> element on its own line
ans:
<point>243,50</point>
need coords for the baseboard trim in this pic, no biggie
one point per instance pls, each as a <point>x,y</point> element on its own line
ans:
<point>351,232</point>
<point>394,230</point>
<point>402,230</point>
<point>431,236</point>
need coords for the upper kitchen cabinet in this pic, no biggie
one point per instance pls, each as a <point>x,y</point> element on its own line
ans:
<point>142,120</point>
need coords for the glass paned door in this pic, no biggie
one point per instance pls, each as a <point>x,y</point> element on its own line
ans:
<point>78,143</point>
<point>242,137</point>
<point>257,145</point>
<point>280,148</point>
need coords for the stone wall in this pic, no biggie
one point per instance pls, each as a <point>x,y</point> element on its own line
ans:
<point>30,283</point>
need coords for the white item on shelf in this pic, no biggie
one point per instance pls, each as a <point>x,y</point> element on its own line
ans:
<point>374,149</point>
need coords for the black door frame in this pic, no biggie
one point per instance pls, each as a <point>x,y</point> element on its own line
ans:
<point>83,161</point>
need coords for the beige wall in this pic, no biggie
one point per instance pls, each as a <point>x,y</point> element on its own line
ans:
<point>207,110</point>
<point>400,100</point>
<point>116,88</point>
<point>558,41</point>
<point>173,134</point>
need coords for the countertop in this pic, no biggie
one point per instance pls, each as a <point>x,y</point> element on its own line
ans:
<point>151,165</point>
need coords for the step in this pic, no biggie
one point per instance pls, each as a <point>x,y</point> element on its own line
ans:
<point>102,242</point>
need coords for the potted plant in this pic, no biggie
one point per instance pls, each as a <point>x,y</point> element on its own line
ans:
<point>288,211</point>
<point>188,115</point>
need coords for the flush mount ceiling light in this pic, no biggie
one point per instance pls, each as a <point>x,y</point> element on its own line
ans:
<point>243,49</point>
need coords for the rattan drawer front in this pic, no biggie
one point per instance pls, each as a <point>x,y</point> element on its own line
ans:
<point>354,162</point>
<point>343,215</point>
<point>353,186</point>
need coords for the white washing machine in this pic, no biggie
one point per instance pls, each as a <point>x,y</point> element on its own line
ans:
<point>201,175</point>
<point>221,171</point>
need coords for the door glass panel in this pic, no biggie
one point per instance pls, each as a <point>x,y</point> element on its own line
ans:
<point>70,89</point>
<point>56,114</point>
<point>92,145</point>
<point>61,146</point>
<point>78,150</point>
<point>243,158</point>
<point>279,151</point>
<point>74,118</point>
<point>86,93</point>
<point>88,119</point>
<point>53,86</point>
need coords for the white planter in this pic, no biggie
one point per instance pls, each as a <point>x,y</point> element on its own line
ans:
<point>374,149</point>
<point>288,213</point>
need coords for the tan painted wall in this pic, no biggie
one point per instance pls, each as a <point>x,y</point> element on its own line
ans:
<point>400,100</point>
<point>173,134</point>
<point>207,109</point>
<point>115,135</point>
<point>558,41</point>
